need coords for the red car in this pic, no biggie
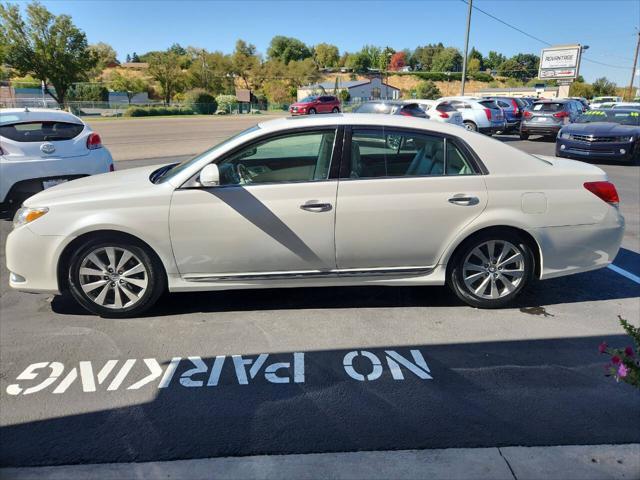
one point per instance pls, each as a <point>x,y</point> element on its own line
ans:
<point>313,104</point>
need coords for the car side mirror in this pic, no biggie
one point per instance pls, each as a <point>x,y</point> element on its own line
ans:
<point>210,176</point>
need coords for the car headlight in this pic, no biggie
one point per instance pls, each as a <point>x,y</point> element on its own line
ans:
<point>565,135</point>
<point>27,215</point>
<point>626,138</point>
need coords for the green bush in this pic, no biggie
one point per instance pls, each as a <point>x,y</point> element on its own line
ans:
<point>226,103</point>
<point>155,111</point>
<point>200,101</point>
<point>443,77</point>
<point>427,90</point>
<point>88,92</point>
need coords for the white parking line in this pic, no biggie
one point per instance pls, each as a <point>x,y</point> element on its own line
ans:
<point>624,273</point>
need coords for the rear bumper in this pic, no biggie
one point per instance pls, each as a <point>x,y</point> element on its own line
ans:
<point>580,248</point>
<point>540,130</point>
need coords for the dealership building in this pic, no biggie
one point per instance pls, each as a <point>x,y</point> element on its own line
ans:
<point>359,90</point>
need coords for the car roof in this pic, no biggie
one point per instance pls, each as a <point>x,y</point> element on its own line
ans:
<point>12,115</point>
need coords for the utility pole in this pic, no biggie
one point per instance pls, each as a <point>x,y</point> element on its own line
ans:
<point>633,70</point>
<point>466,47</point>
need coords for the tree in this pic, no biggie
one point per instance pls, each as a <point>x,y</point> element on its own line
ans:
<point>521,66</point>
<point>476,55</point>
<point>427,90</point>
<point>244,61</point>
<point>398,60</point>
<point>358,62</point>
<point>88,92</point>
<point>211,71</point>
<point>128,83</point>
<point>165,69</point>
<point>494,60</point>
<point>422,57</point>
<point>326,55</point>
<point>473,65</point>
<point>105,57</point>
<point>602,86</point>
<point>581,89</point>
<point>302,72</point>
<point>128,59</point>
<point>447,60</point>
<point>287,49</point>
<point>50,47</point>
<point>135,58</point>
<point>370,55</point>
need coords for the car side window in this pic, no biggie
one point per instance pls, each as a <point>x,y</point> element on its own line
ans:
<point>380,153</point>
<point>298,157</point>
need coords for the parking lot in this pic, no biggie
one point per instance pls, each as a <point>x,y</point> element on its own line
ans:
<point>313,370</point>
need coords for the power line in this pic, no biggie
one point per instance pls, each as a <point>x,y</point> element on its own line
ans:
<point>544,42</point>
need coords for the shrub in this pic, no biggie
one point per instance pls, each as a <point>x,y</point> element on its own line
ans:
<point>427,90</point>
<point>226,103</point>
<point>155,111</point>
<point>344,95</point>
<point>88,92</point>
<point>200,101</point>
<point>624,364</point>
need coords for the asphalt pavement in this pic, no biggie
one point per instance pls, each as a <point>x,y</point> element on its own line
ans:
<point>314,370</point>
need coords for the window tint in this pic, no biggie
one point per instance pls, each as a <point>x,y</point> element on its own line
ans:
<point>488,104</point>
<point>445,107</point>
<point>41,131</point>
<point>387,153</point>
<point>302,157</point>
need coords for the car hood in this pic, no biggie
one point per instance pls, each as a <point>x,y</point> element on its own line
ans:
<point>600,128</point>
<point>104,186</point>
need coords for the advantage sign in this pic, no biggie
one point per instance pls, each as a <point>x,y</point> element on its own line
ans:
<point>562,61</point>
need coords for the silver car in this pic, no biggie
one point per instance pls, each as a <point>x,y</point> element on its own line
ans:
<point>478,114</point>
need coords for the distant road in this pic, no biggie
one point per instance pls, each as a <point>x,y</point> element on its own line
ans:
<point>141,138</point>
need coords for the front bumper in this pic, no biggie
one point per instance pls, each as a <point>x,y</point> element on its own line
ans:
<point>298,111</point>
<point>32,260</point>
<point>623,151</point>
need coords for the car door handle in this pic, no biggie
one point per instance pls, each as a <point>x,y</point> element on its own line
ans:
<point>463,200</point>
<point>316,207</point>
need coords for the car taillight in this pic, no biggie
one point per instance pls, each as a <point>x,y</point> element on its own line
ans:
<point>561,114</point>
<point>94,141</point>
<point>487,112</point>
<point>405,113</point>
<point>516,110</point>
<point>528,114</point>
<point>606,191</point>
<point>443,114</point>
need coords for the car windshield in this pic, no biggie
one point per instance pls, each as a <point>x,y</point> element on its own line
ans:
<point>168,173</point>
<point>310,98</point>
<point>615,116</point>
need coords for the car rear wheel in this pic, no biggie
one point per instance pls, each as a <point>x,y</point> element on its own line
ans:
<point>524,136</point>
<point>470,126</point>
<point>490,270</point>
<point>115,278</point>
<point>335,110</point>
<point>312,111</point>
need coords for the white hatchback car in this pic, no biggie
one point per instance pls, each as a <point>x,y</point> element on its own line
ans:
<point>326,200</point>
<point>439,110</point>
<point>40,148</point>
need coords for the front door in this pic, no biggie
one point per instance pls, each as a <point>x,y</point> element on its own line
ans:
<point>273,213</point>
<point>402,198</point>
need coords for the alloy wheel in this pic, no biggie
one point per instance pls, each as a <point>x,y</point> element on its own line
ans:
<point>493,269</point>
<point>113,277</point>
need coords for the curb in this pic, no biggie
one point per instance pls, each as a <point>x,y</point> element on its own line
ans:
<point>584,462</point>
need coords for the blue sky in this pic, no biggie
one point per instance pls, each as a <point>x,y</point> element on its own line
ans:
<point>607,26</point>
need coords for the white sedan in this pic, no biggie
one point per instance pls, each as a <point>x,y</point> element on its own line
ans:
<point>329,200</point>
<point>40,148</point>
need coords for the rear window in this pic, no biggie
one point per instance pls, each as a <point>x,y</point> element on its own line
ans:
<point>413,108</point>
<point>521,103</point>
<point>374,108</point>
<point>41,131</point>
<point>445,107</point>
<point>547,107</point>
<point>488,104</point>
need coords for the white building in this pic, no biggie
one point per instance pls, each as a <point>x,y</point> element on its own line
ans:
<point>359,90</point>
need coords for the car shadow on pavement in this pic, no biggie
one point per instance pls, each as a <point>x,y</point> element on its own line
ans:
<point>483,394</point>
<point>599,285</point>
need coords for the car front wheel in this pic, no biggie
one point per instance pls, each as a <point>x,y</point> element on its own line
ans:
<point>115,278</point>
<point>490,270</point>
<point>312,111</point>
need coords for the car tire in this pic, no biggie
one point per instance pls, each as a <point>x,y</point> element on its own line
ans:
<point>524,136</point>
<point>312,111</point>
<point>469,125</point>
<point>335,110</point>
<point>114,294</point>
<point>481,279</point>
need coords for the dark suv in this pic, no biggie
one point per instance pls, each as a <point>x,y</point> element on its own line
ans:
<point>547,117</point>
<point>512,108</point>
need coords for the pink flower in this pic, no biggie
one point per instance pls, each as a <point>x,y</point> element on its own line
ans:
<point>615,359</point>
<point>628,352</point>
<point>622,371</point>
<point>603,347</point>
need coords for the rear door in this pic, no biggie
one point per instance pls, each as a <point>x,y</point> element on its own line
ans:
<point>402,197</point>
